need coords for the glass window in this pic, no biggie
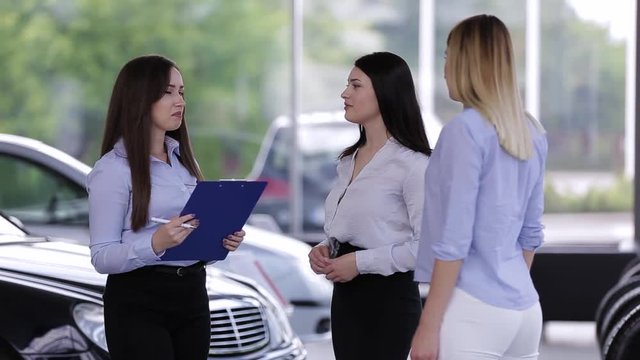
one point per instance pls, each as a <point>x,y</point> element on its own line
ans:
<point>62,57</point>
<point>36,195</point>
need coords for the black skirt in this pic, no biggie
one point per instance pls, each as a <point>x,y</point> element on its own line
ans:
<point>374,316</point>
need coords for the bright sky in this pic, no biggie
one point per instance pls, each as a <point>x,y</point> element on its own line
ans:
<point>618,15</point>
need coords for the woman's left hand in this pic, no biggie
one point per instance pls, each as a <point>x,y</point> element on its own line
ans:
<point>343,268</point>
<point>232,241</point>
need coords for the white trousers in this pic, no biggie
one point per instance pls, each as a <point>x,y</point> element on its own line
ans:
<point>474,330</point>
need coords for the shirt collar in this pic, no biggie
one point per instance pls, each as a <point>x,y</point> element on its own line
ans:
<point>390,140</point>
<point>173,146</point>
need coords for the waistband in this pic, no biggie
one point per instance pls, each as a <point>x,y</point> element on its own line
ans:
<point>175,270</point>
<point>341,248</point>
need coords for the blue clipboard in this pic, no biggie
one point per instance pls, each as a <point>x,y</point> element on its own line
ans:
<point>222,207</point>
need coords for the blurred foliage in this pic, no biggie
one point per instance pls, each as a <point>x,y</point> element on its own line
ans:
<point>61,59</point>
<point>618,197</point>
<point>582,75</point>
<point>582,79</point>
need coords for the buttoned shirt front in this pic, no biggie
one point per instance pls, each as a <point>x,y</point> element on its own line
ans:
<point>115,247</point>
<point>380,210</point>
<point>484,207</point>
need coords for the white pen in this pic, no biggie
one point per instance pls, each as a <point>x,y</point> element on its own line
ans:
<point>165,221</point>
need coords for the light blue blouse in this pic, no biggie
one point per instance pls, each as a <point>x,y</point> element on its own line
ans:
<point>483,206</point>
<point>115,247</point>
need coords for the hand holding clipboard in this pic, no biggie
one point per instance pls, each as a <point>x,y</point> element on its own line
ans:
<point>222,208</point>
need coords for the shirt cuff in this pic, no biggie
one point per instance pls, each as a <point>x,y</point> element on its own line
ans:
<point>143,250</point>
<point>368,262</point>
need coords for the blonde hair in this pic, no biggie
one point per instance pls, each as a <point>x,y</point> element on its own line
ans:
<point>482,75</point>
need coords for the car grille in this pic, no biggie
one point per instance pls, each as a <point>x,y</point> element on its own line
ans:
<point>237,327</point>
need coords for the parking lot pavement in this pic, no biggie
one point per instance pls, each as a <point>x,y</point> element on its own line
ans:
<point>562,341</point>
<point>319,350</point>
<point>569,341</point>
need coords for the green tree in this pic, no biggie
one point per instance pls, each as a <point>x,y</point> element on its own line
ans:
<point>55,50</point>
<point>582,91</point>
<point>582,73</point>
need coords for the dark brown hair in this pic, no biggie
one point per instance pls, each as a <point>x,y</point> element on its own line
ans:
<point>140,83</point>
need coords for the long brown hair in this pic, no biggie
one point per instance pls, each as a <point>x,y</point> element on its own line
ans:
<point>140,83</point>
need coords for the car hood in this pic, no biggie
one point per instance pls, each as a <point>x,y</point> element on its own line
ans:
<point>277,243</point>
<point>285,260</point>
<point>71,263</point>
<point>51,259</point>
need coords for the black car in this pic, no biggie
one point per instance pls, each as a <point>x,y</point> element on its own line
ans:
<point>44,188</point>
<point>51,306</point>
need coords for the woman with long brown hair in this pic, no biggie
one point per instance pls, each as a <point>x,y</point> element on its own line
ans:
<point>153,309</point>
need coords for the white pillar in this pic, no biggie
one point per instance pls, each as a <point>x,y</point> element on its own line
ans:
<point>630,94</point>
<point>532,65</point>
<point>426,50</point>
<point>295,178</point>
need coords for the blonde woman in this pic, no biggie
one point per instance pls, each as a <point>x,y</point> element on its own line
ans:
<point>485,200</point>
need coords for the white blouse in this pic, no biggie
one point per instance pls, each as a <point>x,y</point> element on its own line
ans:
<point>381,210</point>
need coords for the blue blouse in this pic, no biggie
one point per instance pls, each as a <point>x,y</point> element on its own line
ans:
<point>115,247</point>
<point>483,206</point>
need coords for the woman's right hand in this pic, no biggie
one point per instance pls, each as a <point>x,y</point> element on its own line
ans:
<point>172,233</point>
<point>319,258</point>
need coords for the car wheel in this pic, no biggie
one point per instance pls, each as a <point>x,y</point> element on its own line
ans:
<point>615,303</point>
<point>632,269</point>
<point>621,342</point>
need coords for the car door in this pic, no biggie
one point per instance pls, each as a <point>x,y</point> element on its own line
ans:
<point>43,200</point>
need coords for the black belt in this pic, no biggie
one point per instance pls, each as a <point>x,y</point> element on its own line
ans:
<point>341,248</point>
<point>176,270</point>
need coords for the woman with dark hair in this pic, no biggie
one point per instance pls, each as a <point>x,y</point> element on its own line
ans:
<point>153,309</point>
<point>484,187</point>
<point>373,214</point>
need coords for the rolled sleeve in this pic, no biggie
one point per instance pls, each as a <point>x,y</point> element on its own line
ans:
<point>532,235</point>
<point>457,181</point>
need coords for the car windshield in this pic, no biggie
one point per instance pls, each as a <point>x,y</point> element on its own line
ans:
<point>320,145</point>
<point>327,138</point>
<point>8,230</point>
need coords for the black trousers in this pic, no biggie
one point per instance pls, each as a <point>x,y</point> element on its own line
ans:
<point>157,315</point>
<point>374,316</point>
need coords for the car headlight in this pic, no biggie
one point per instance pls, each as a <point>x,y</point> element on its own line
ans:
<point>90,320</point>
